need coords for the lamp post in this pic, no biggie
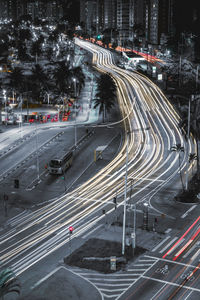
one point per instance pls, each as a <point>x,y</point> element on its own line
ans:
<point>188,137</point>
<point>5,102</point>
<point>125,198</point>
<point>74,80</point>
<point>145,216</point>
<point>37,155</point>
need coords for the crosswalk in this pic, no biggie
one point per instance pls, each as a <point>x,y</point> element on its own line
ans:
<point>112,285</point>
<point>173,245</point>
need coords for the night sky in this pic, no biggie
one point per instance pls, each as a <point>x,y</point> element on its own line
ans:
<point>72,10</point>
<point>187,16</point>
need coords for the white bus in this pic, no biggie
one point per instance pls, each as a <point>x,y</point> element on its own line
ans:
<point>59,165</point>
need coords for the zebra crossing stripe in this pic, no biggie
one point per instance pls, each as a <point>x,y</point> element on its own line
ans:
<point>188,252</point>
<point>137,270</point>
<point>169,244</point>
<point>160,244</point>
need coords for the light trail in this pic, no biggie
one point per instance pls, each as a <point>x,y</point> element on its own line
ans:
<point>153,126</point>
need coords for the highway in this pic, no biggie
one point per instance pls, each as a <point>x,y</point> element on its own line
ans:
<point>151,128</point>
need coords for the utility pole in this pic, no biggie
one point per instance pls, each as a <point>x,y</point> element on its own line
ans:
<point>179,73</point>
<point>188,138</point>
<point>197,77</point>
<point>133,235</point>
<point>37,154</point>
<point>125,198</point>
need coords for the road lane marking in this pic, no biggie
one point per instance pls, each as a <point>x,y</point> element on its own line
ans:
<point>173,262</point>
<point>171,283</point>
<point>168,230</point>
<point>189,210</point>
<point>169,244</point>
<point>160,244</point>
<point>44,278</point>
<point>191,249</point>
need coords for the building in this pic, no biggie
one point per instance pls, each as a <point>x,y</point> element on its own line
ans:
<point>88,15</point>
<point>14,9</point>
<point>159,20</point>
<point>7,9</point>
<point>123,19</point>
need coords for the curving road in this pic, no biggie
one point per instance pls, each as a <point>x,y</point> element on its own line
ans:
<point>151,129</point>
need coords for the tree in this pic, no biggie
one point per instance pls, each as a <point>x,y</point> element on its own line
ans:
<point>62,76</point>
<point>16,79</point>
<point>106,94</point>
<point>178,148</point>
<point>8,283</point>
<point>25,34</point>
<point>40,82</point>
<point>36,49</point>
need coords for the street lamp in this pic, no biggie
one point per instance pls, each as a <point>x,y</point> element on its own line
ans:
<point>125,197</point>
<point>37,153</point>
<point>5,101</point>
<point>74,80</point>
<point>145,216</point>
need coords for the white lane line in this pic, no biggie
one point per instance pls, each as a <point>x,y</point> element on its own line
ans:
<point>107,279</point>
<point>189,210</point>
<point>161,243</point>
<point>175,262</point>
<point>108,284</point>
<point>188,295</point>
<point>168,230</point>
<point>180,242</point>
<point>188,253</point>
<point>172,283</point>
<point>143,265</point>
<point>169,244</point>
<point>147,260</point>
<point>158,292</point>
<point>113,290</point>
<point>44,278</point>
<point>137,270</point>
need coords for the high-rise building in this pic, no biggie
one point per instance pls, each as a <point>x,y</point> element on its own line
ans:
<point>123,19</point>
<point>88,15</point>
<point>7,9</point>
<point>110,14</point>
<point>14,9</point>
<point>159,20</point>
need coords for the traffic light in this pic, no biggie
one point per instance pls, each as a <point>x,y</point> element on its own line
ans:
<point>98,37</point>
<point>16,183</point>
<point>71,229</point>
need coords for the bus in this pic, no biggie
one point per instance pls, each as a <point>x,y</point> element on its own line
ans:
<point>60,165</point>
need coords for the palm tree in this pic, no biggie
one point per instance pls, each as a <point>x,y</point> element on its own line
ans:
<point>8,283</point>
<point>16,79</point>
<point>40,81</point>
<point>192,157</point>
<point>36,49</point>
<point>178,148</point>
<point>106,94</point>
